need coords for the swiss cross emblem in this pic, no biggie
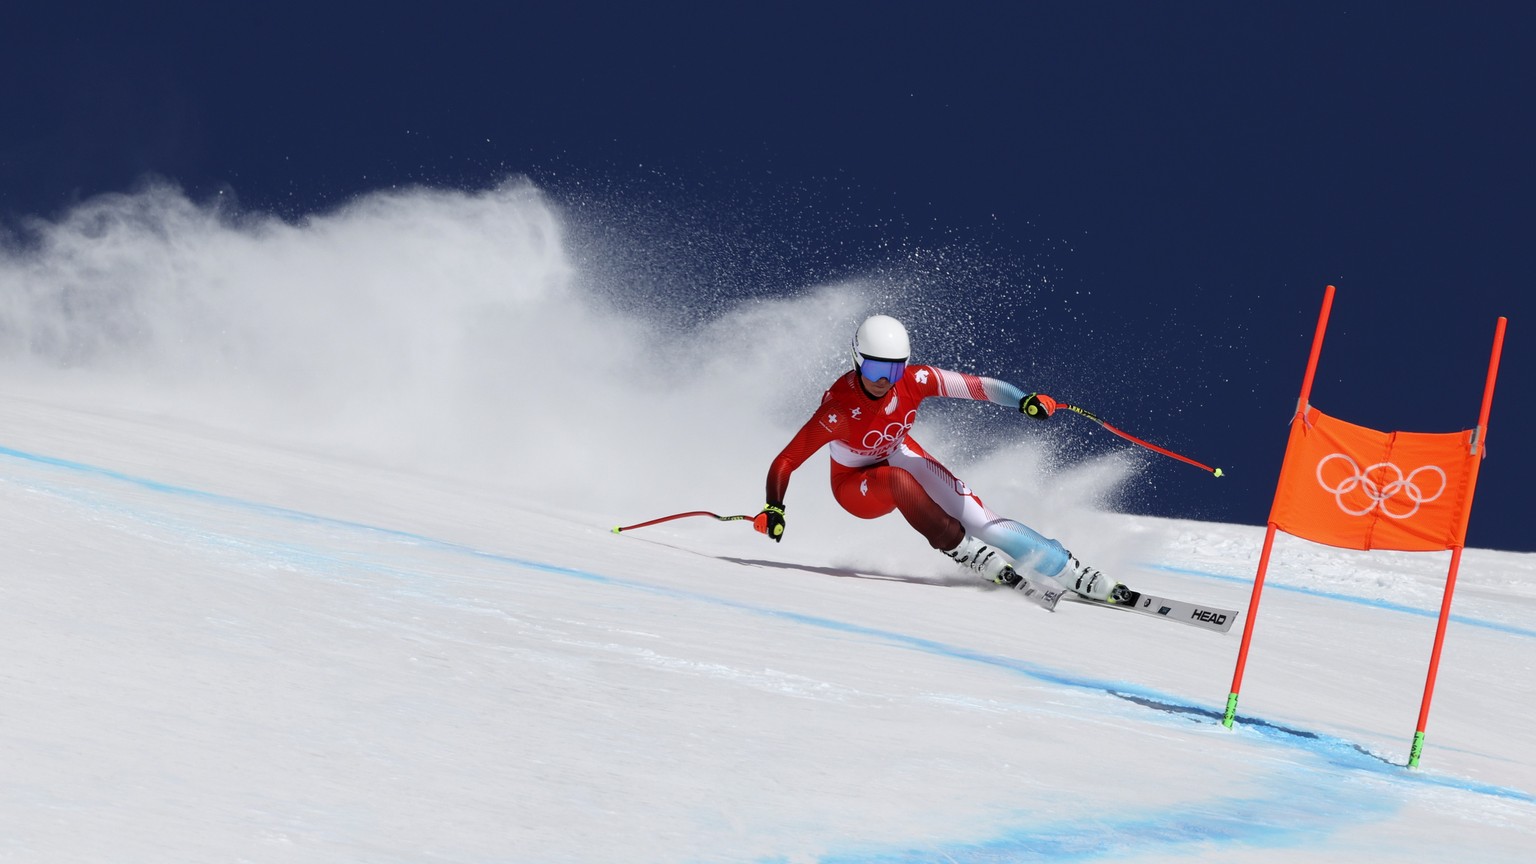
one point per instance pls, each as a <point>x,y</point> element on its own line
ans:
<point>832,419</point>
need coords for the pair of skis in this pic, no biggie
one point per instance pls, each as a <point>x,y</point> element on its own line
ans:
<point>1047,592</point>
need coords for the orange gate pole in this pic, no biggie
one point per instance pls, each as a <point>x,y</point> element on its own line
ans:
<point>1269,537</point>
<point>1479,441</point>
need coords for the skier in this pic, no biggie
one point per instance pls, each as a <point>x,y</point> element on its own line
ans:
<point>877,467</point>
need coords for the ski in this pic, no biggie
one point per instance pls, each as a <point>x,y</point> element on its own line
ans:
<point>1041,590</point>
<point>1205,617</point>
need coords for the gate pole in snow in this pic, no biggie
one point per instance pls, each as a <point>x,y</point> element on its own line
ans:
<point>1269,538</point>
<point>1253,610</point>
<point>1479,441</point>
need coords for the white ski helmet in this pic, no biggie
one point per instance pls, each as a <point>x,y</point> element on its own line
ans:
<point>881,338</point>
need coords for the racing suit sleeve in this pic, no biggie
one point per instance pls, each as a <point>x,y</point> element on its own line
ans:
<point>963,385</point>
<point>813,436</point>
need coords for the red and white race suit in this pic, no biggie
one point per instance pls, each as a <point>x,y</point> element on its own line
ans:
<point>878,467</point>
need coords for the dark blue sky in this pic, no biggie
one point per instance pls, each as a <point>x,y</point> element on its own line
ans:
<point>1190,174</point>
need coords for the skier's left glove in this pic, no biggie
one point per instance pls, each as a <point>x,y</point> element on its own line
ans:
<point>770,522</point>
<point>1037,405</point>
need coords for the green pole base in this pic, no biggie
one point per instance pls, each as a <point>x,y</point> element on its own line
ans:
<point>1418,749</point>
<point>1226,719</point>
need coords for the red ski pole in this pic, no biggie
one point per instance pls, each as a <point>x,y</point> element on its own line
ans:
<point>1134,440</point>
<point>622,528</point>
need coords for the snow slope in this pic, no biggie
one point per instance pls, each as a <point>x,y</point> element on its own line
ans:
<point>308,559</point>
<point>223,650</point>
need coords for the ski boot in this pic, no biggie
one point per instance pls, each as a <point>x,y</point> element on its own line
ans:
<point>976,556</point>
<point>1090,582</point>
<point>994,566</point>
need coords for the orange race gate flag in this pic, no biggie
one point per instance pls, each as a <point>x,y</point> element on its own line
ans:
<point>1357,488</point>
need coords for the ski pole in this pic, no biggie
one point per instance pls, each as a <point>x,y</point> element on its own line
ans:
<point>622,528</point>
<point>1134,440</point>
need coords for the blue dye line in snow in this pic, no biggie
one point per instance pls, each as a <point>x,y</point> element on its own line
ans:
<point>1178,831</point>
<point>1336,751</point>
<point>1236,822</point>
<point>1348,598</point>
<point>240,503</point>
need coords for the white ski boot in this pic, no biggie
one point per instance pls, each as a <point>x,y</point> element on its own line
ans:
<point>974,555</point>
<point>1090,582</point>
<point>994,566</point>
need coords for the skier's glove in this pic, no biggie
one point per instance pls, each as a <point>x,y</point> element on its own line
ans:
<point>1037,405</point>
<point>770,522</point>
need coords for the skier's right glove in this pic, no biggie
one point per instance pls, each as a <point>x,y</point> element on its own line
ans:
<point>770,522</point>
<point>1037,405</point>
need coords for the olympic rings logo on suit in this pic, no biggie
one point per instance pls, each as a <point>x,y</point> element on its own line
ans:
<point>882,441</point>
<point>1405,488</point>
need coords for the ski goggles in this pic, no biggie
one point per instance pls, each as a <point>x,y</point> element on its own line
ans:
<point>874,370</point>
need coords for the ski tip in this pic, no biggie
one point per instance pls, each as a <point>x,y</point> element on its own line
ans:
<point>618,529</point>
<point>1218,473</point>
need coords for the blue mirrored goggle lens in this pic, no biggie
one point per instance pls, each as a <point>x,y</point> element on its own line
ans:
<point>890,370</point>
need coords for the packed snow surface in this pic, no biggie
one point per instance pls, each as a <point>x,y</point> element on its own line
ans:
<point>223,650</point>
